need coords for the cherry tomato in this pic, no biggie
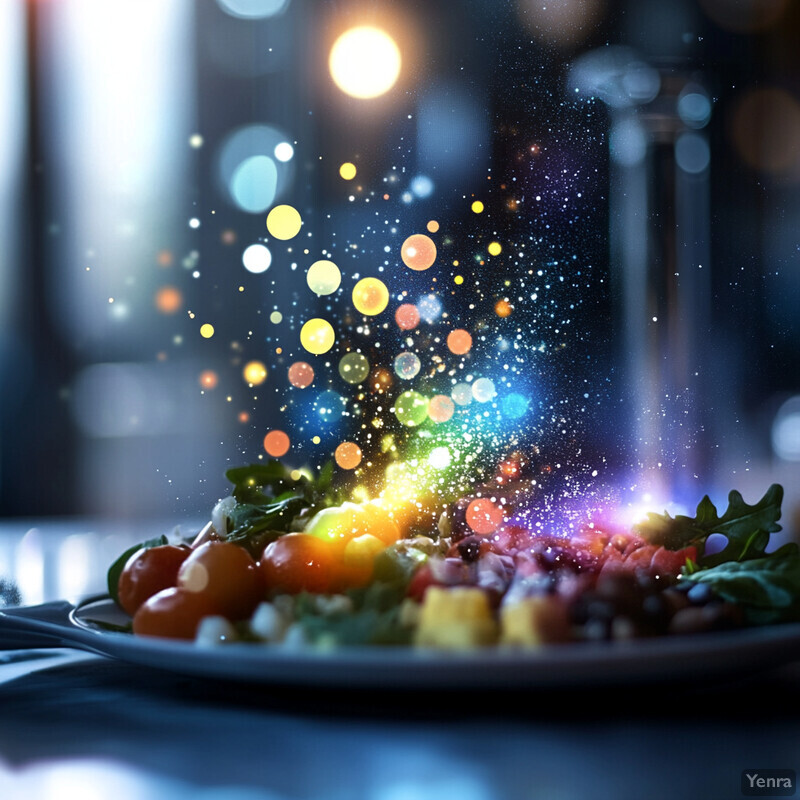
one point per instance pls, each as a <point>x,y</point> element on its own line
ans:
<point>227,575</point>
<point>147,572</point>
<point>299,562</point>
<point>173,613</point>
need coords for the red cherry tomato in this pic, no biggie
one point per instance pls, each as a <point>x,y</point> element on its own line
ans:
<point>299,562</point>
<point>226,575</point>
<point>147,572</point>
<point>173,613</point>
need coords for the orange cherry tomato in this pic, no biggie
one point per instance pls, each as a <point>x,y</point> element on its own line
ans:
<point>299,562</point>
<point>172,613</point>
<point>147,572</point>
<point>226,575</point>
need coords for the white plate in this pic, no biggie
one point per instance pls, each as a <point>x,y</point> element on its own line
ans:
<point>579,664</point>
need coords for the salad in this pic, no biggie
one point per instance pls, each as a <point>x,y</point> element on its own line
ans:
<point>285,559</point>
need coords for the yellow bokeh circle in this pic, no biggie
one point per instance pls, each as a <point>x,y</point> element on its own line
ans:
<point>370,296</point>
<point>317,336</point>
<point>284,222</point>
<point>323,277</point>
<point>365,62</point>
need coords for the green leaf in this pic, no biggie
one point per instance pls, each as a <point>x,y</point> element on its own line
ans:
<point>254,526</point>
<point>768,588</point>
<point>747,528</point>
<point>115,570</point>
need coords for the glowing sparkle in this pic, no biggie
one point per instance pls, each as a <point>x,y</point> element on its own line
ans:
<point>256,258</point>
<point>206,330</point>
<point>255,373</point>
<point>283,152</point>
<point>317,336</point>
<point>276,443</point>
<point>348,455</point>
<point>364,62</point>
<point>370,296</point>
<point>418,252</point>
<point>323,277</point>
<point>208,379</point>
<point>284,222</point>
<point>440,458</point>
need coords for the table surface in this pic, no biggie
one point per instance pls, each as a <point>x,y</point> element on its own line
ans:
<point>82,726</point>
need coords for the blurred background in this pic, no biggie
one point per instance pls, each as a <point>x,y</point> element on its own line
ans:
<point>143,142</point>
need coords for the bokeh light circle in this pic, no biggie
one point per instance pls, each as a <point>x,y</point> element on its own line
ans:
<point>503,309</point>
<point>495,248</point>
<point>411,408</point>
<point>364,62</point>
<point>514,405</point>
<point>430,308</point>
<point>284,222</point>
<point>207,330</point>
<point>483,390</point>
<point>477,207</point>
<point>254,373</point>
<point>283,152</point>
<point>329,407</point>
<point>441,408</point>
<point>276,443</point>
<point>432,226</point>
<point>370,296</point>
<point>168,299</point>
<point>254,184</point>
<point>418,252</point>
<point>317,336</point>
<point>347,171</point>
<point>256,258</point>
<point>484,516</point>
<point>323,277</point>
<point>354,368</point>
<point>459,341</point>
<point>208,379</point>
<point>301,374</point>
<point>253,9</point>
<point>348,455</point>
<point>462,394</point>
<point>407,365</point>
<point>407,316</point>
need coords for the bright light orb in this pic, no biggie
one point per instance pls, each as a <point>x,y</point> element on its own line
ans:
<point>284,222</point>
<point>495,248</point>
<point>323,277</point>
<point>459,341</point>
<point>207,330</point>
<point>348,455</point>
<point>407,316</point>
<point>365,62</point>
<point>462,394</point>
<point>484,516</point>
<point>440,458</point>
<point>354,368</point>
<point>301,374</point>
<point>411,408</point>
<point>283,152</point>
<point>255,373</point>
<point>370,296</point>
<point>418,252</point>
<point>276,443</point>
<point>407,366</point>
<point>347,171</point>
<point>257,258</point>
<point>483,390</point>
<point>317,336</point>
<point>514,405</point>
<point>430,308</point>
<point>441,408</point>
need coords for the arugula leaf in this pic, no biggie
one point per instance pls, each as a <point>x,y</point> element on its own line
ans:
<point>767,588</point>
<point>746,527</point>
<point>254,526</point>
<point>115,570</point>
<point>249,481</point>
